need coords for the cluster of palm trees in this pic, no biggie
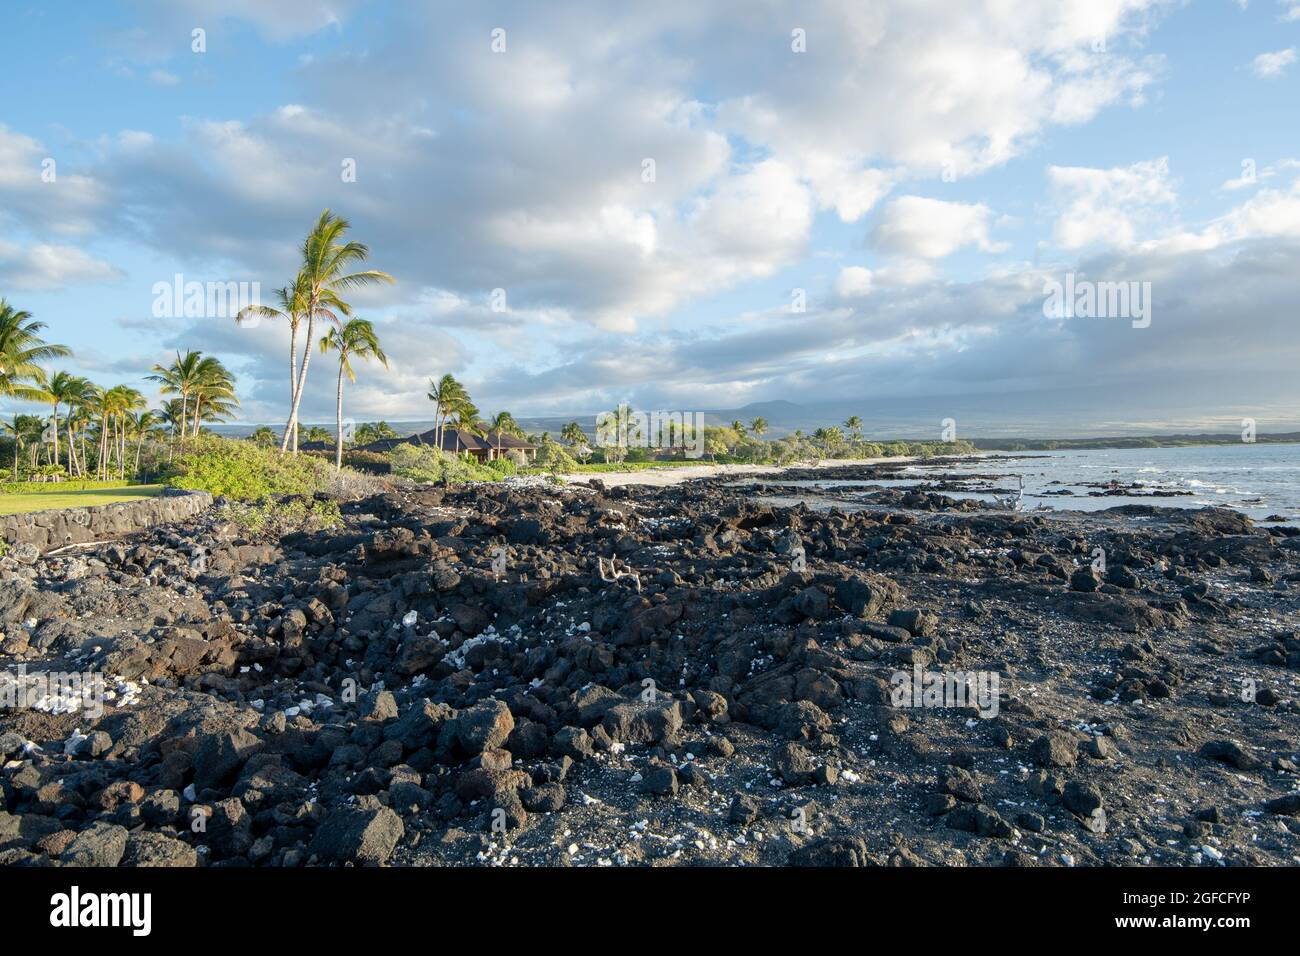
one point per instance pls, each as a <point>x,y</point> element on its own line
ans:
<point>328,272</point>
<point>96,432</point>
<point>204,390</point>
<point>453,406</point>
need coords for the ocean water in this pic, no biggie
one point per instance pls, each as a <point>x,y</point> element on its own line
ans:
<point>1257,480</point>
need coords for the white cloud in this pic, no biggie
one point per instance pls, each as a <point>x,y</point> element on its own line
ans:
<point>47,267</point>
<point>1268,66</point>
<point>1106,206</point>
<point>42,192</point>
<point>853,282</point>
<point>919,227</point>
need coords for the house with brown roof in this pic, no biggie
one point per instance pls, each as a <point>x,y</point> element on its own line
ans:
<point>458,441</point>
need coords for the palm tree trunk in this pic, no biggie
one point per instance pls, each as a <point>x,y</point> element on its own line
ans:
<point>293,380</point>
<point>56,434</point>
<point>338,443</point>
<point>185,405</point>
<point>292,426</point>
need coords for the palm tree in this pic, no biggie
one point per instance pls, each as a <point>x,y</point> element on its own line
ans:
<point>180,378</point>
<point>325,275</point>
<point>77,421</point>
<point>61,389</point>
<point>21,351</point>
<point>446,394</point>
<point>854,424</point>
<point>119,405</point>
<point>214,392</point>
<point>293,302</point>
<point>504,423</point>
<point>173,416</point>
<point>738,427</point>
<point>263,437</point>
<point>758,426</point>
<point>573,434</point>
<point>467,420</point>
<point>356,339</point>
<point>25,429</point>
<point>140,426</point>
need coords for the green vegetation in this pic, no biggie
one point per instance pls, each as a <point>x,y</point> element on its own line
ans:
<point>274,519</point>
<point>55,497</point>
<point>552,458</point>
<point>426,464</point>
<point>246,472</point>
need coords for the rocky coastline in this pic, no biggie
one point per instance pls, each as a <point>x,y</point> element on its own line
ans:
<point>522,674</point>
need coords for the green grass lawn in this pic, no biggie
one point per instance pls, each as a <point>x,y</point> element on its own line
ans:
<point>55,498</point>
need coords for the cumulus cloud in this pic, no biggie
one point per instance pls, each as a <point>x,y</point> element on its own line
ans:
<point>1106,206</point>
<point>918,227</point>
<point>46,266</point>
<point>43,195</point>
<point>526,171</point>
<point>1268,66</point>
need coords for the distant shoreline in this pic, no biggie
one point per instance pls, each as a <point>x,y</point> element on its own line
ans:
<point>982,444</point>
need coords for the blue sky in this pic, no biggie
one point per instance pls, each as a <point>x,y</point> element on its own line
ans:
<point>920,171</point>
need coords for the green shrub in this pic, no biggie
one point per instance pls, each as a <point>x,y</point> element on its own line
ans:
<point>275,519</point>
<point>503,467</point>
<point>552,457</point>
<point>426,464</point>
<point>246,472</point>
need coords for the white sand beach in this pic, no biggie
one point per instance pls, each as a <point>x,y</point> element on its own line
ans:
<point>673,475</point>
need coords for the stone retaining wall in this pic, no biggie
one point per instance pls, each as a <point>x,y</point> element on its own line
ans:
<point>46,530</point>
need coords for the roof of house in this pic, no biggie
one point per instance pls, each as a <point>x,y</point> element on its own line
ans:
<point>453,439</point>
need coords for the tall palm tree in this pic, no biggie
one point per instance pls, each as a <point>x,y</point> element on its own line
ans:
<point>62,389</point>
<point>140,426</point>
<point>214,392</point>
<point>446,393</point>
<point>180,378</point>
<point>21,351</point>
<point>325,276</point>
<point>758,426</point>
<point>738,427</point>
<point>356,339</point>
<point>293,305</point>
<point>119,403</point>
